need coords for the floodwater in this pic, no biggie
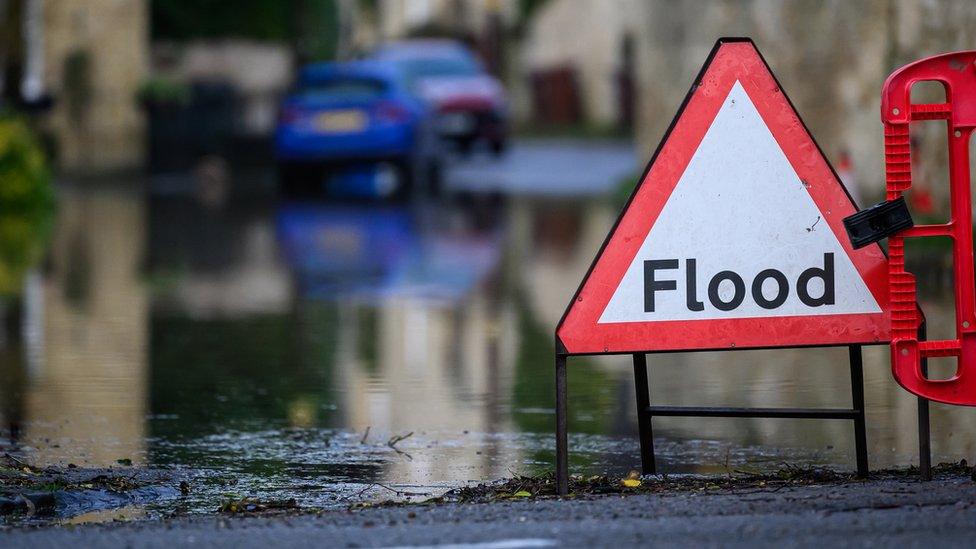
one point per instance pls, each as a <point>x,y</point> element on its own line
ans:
<point>335,353</point>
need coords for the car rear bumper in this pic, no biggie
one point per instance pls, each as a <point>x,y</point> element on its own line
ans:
<point>472,124</point>
<point>294,146</point>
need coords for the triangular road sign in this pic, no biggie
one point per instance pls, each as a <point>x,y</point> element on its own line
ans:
<point>734,236</point>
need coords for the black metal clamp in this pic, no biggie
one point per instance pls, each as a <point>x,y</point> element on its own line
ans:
<point>878,222</point>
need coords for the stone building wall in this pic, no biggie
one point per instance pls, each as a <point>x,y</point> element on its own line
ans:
<point>259,72</point>
<point>96,57</point>
<point>831,57</point>
<point>588,37</point>
<point>397,18</point>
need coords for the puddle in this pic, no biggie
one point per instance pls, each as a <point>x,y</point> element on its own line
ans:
<point>276,352</point>
<point>109,515</point>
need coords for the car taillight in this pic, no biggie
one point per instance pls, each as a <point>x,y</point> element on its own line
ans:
<point>392,112</point>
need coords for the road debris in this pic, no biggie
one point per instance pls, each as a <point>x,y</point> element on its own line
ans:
<point>29,492</point>
<point>396,439</point>
<point>737,481</point>
<point>236,506</point>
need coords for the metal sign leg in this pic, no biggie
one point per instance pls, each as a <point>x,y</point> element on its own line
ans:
<point>645,432</point>
<point>924,440</point>
<point>857,398</point>
<point>562,442</point>
<point>646,412</point>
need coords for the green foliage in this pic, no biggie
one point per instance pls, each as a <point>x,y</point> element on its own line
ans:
<point>189,19</point>
<point>310,25</point>
<point>369,6</point>
<point>528,8</point>
<point>316,30</point>
<point>26,202</point>
<point>160,89</point>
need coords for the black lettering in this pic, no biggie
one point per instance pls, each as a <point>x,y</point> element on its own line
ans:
<point>652,285</point>
<point>782,292</point>
<point>826,274</point>
<point>691,286</point>
<point>737,296</point>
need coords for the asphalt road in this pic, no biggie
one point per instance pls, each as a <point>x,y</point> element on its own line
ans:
<point>547,167</point>
<point>892,513</point>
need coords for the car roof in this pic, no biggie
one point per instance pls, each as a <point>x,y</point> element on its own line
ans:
<point>372,69</point>
<point>421,48</point>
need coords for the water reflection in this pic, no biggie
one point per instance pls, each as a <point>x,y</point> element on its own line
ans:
<point>84,374</point>
<point>215,260</point>
<point>378,252</point>
<point>278,349</point>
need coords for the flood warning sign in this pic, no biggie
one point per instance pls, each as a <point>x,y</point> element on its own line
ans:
<point>734,237</point>
<point>739,236</point>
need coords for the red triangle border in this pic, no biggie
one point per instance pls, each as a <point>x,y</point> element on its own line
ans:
<point>732,59</point>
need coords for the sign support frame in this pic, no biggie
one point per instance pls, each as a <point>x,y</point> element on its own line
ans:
<point>855,413</point>
<point>645,431</point>
<point>645,413</point>
<point>924,436</point>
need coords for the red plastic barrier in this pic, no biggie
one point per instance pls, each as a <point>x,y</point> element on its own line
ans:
<point>957,73</point>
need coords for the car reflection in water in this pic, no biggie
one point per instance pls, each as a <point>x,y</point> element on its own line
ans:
<point>370,253</point>
<point>418,345</point>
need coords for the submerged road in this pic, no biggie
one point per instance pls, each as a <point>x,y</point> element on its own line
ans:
<point>889,513</point>
<point>548,167</point>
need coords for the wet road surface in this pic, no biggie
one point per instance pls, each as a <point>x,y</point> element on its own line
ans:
<point>273,349</point>
<point>888,513</point>
<point>550,168</point>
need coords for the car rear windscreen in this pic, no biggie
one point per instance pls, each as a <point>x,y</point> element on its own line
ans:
<point>439,67</point>
<point>341,88</point>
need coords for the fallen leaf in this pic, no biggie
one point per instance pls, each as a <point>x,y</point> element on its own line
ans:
<point>631,482</point>
<point>522,494</point>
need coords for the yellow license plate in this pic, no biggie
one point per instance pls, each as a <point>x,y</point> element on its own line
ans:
<point>341,121</point>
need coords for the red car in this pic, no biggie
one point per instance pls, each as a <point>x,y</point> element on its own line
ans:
<point>471,105</point>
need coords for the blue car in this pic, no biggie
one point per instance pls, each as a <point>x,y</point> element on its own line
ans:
<point>471,105</point>
<point>353,129</point>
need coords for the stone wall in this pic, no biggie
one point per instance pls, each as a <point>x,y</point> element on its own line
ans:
<point>831,57</point>
<point>96,57</point>
<point>259,72</point>
<point>398,18</point>
<point>588,37</point>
